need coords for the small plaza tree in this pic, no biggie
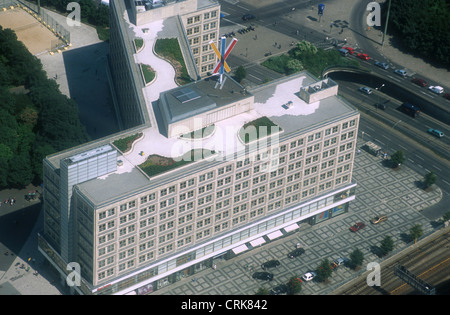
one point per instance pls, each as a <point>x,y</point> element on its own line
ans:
<point>397,159</point>
<point>387,245</point>
<point>356,259</point>
<point>294,285</point>
<point>324,270</point>
<point>415,232</point>
<point>429,179</point>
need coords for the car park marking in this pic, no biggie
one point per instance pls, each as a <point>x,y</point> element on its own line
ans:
<point>437,168</point>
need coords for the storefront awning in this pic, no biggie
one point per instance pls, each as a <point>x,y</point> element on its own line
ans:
<point>240,249</point>
<point>274,235</point>
<point>257,242</point>
<point>291,227</point>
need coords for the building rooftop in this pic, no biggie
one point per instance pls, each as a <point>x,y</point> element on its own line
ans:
<point>270,101</point>
<point>199,97</point>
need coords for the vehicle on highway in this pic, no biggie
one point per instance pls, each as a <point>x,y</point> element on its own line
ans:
<point>436,89</point>
<point>262,275</point>
<point>248,16</point>
<point>296,252</point>
<point>357,226</point>
<point>279,289</point>
<point>447,96</point>
<point>343,52</point>
<point>309,276</point>
<point>365,90</point>
<point>435,132</point>
<point>410,109</point>
<point>400,72</point>
<point>383,65</point>
<point>363,56</point>
<point>419,82</point>
<point>270,264</point>
<point>380,106</point>
<point>349,49</point>
<point>378,219</point>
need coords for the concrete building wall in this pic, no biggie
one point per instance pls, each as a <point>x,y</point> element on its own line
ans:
<point>136,232</point>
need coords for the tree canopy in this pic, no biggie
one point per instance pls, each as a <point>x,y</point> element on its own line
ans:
<point>422,26</point>
<point>35,121</point>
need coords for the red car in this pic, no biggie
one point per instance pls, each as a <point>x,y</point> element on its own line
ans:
<point>419,82</point>
<point>349,49</point>
<point>447,96</point>
<point>357,226</point>
<point>363,56</point>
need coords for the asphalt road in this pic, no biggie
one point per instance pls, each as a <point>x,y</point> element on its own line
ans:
<point>378,126</point>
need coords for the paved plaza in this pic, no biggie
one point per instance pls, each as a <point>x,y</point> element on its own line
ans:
<point>380,190</point>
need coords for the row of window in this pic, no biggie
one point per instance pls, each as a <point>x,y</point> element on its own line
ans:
<point>197,18</point>
<point>240,175</point>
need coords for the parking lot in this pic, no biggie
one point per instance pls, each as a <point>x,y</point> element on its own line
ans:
<point>380,190</point>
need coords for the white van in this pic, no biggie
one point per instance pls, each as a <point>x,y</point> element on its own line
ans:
<point>436,89</point>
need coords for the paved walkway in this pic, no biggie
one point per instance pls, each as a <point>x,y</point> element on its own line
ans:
<point>380,190</point>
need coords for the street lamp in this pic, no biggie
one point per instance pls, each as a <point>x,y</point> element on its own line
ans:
<point>378,89</point>
<point>386,24</point>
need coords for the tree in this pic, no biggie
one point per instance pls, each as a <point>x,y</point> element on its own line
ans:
<point>429,179</point>
<point>262,291</point>
<point>415,232</point>
<point>446,216</point>
<point>356,258</point>
<point>294,285</point>
<point>293,65</point>
<point>240,73</point>
<point>397,158</point>
<point>387,245</point>
<point>324,270</point>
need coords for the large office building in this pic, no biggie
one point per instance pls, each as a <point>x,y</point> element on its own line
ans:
<point>212,171</point>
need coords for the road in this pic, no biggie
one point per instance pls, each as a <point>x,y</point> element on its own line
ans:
<point>393,130</point>
<point>429,260</point>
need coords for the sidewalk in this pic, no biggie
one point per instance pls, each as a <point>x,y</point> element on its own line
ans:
<point>23,270</point>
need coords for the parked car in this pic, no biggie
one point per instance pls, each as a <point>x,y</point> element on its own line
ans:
<point>363,56</point>
<point>357,226</point>
<point>447,96</point>
<point>338,262</point>
<point>280,289</point>
<point>419,82</point>
<point>383,65</point>
<point>270,264</point>
<point>365,90</point>
<point>349,49</point>
<point>296,252</point>
<point>436,89</point>
<point>436,132</point>
<point>262,275</point>
<point>248,16</point>
<point>309,276</point>
<point>378,219</point>
<point>400,72</point>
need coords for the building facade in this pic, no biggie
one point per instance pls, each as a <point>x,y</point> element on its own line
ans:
<point>125,221</point>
